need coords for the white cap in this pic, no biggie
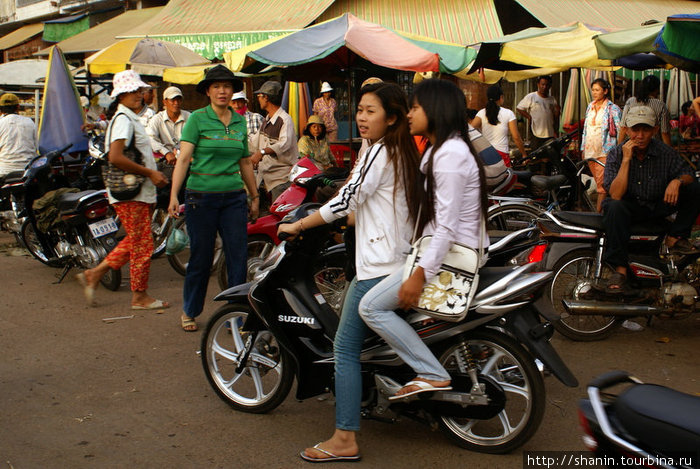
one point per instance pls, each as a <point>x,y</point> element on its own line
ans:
<point>239,95</point>
<point>126,82</point>
<point>172,92</point>
<point>326,87</point>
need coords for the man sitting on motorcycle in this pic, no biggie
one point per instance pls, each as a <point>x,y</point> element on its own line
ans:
<point>646,180</point>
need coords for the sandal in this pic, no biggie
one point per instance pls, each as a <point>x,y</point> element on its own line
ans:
<point>616,283</point>
<point>188,324</point>
<point>329,457</point>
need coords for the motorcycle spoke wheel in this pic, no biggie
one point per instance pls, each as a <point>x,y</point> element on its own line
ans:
<point>179,260</point>
<point>511,217</point>
<point>266,379</point>
<point>30,240</point>
<point>573,279</point>
<point>259,247</point>
<point>512,368</point>
<point>161,223</point>
<point>111,280</point>
<point>331,283</point>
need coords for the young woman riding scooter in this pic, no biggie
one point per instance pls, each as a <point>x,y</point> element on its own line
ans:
<point>384,191</point>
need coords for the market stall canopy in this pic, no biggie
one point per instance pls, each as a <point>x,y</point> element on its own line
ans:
<point>23,72</point>
<point>677,43</point>
<point>147,56</point>
<point>606,13</point>
<point>347,41</point>
<point>456,21</point>
<point>212,28</point>
<point>20,35</point>
<point>557,49</point>
<point>626,42</point>
<point>103,35</point>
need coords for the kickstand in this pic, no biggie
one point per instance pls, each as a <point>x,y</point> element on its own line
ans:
<point>63,273</point>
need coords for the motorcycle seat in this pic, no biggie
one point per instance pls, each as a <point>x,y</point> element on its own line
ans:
<point>548,183</point>
<point>661,418</point>
<point>11,177</point>
<point>523,176</point>
<point>69,202</point>
<point>595,221</point>
<point>490,275</point>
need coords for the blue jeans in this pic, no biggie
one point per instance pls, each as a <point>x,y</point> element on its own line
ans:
<point>347,349</point>
<point>206,214</point>
<point>377,310</point>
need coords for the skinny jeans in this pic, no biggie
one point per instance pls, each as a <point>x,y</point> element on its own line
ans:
<point>347,349</point>
<point>377,310</point>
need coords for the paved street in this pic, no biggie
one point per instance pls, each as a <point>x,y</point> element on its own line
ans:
<point>79,391</point>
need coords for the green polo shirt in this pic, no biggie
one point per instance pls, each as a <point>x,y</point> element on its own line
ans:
<point>218,151</point>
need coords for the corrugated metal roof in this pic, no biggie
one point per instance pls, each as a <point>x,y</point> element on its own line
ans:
<point>182,17</point>
<point>458,21</point>
<point>103,35</point>
<point>616,14</point>
<point>20,35</point>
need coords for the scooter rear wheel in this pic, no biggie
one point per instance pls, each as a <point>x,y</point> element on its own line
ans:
<point>512,217</point>
<point>573,278</point>
<point>264,382</point>
<point>511,367</point>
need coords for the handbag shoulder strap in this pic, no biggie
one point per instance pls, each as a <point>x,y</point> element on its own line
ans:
<point>138,157</point>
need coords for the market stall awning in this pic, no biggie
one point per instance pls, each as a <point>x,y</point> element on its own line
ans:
<point>345,42</point>
<point>212,28</point>
<point>457,21</point>
<point>677,43</point>
<point>102,35</point>
<point>20,35</point>
<point>627,41</point>
<point>606,13</point>
<point>553,48</point>
<point>63,28</point>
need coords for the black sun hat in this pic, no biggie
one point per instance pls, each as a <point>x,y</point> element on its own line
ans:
<point>219,73</point>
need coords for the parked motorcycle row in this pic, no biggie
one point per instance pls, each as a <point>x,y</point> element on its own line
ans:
<point>544,258</point>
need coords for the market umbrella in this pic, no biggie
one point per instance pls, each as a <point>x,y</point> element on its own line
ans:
<point>347,41</point>
<point>677,42</point>
<point>556,49</point>
<point>144,55</point>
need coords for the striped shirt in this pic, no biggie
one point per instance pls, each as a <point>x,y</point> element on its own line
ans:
<point>649,177</point>
<point>663,117</point>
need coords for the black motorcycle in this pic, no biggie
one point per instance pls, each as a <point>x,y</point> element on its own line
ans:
<point>66,227</point>
<point>661,284</point>
<point>647,425</point>
<point>280,326</point>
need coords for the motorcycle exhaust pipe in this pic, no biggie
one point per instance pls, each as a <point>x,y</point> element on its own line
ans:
<point>587,308</point>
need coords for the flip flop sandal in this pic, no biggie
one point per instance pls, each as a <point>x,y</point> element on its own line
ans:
<point>188,322</point>
<point>156,304</point>
<point>422,387</point>
<point>88,291</point>
<point>331,457</point>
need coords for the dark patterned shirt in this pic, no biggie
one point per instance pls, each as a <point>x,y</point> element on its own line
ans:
<point>649,177</point>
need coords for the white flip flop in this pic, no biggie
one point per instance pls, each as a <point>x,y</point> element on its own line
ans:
<point>422,387</point>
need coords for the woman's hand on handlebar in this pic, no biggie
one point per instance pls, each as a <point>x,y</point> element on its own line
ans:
<point>289,230</point>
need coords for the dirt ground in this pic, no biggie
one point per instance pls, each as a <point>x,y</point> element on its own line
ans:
<point>81,391</point>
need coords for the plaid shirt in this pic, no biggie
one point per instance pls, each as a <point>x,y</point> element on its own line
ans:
<point>254,121</point>
<point>649,177</point>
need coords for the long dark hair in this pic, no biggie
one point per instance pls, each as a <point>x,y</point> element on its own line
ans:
<point>444,106</point>
<point>649,85</point>
<point>399,144</point>
<point>493,93</point>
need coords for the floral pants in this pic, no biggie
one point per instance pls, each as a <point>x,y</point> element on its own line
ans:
<point>137,246</point>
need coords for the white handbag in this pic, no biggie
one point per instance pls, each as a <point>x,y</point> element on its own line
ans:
<point>448,294</point>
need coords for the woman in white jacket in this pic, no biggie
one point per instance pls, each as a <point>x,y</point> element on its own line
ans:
<point>455,204</point>
<point>384,191</point>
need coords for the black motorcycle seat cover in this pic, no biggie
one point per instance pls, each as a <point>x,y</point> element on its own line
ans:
<point>490,275</point>
<point>523,176</point>
<point>662,418</point>
<point>548,183</point>
<point>70,200</point>
<point>595,221</point>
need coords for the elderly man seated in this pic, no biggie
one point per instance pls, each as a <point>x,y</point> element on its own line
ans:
<point>646,180</point>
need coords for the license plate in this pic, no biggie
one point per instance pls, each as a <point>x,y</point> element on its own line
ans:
<point>103,227</point>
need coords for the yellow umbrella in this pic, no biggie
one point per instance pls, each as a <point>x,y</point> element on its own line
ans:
<point>144,55</point>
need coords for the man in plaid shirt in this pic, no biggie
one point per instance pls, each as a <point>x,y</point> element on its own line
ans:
<point>239,103</point>
<point>646,181</point>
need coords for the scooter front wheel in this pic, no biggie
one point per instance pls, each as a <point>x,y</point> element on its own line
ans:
<point>264,380</point>
<point>512,368</point>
